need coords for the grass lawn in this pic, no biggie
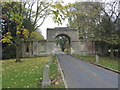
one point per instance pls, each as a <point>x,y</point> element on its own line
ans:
<point>104,61</point>
<point>26,74</point>
<point>55,75</point>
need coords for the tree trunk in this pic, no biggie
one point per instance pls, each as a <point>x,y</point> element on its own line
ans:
<point>18,52</point>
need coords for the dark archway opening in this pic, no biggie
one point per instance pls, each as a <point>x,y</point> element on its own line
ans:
<point>63,41</point>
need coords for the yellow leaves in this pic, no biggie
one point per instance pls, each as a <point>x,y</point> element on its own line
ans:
<point>27,86</point>
<point>22,80</point>
<point>18,74</point>
<point>25,33</point>
<point>40,78</point>
<point>18,32</point>
<point>18,27</point>
<point>36,67</point>
<point>58,5</point>
<point>7,38</point>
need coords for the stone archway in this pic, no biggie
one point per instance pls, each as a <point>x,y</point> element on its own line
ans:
<point>52,33</point>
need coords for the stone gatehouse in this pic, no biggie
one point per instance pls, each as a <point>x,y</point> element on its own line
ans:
<point>32,48</point>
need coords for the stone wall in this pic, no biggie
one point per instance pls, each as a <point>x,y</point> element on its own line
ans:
<point>34,48</point>
<point>46,47</point>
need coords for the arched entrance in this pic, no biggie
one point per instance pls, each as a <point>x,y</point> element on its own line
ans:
<point>63,42</point>
<point>63,32</point>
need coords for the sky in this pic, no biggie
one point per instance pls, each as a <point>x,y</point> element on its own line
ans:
<point>48,23</point>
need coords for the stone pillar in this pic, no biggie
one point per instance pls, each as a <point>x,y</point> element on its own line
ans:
<point>97,58</point>
<point>46,80</point>
<point>35,48</point>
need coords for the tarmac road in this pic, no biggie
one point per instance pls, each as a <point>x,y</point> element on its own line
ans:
<point>81,74</point>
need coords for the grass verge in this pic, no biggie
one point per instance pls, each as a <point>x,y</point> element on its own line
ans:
<point>103,61</point>
<point>26,74</point>
<point>55,76</point>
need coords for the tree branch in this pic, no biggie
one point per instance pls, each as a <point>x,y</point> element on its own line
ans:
<point>41,23</point>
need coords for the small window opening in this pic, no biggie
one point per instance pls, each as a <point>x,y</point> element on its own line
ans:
<point>27,48</point>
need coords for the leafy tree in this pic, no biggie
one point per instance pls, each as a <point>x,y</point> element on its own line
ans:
<point>96,21</point>
<point>84,16</point>
<point>36,35</point>
<point>20,20</point>
<point>109,26</point>
<point>109,23</point>
<point>14,31</point>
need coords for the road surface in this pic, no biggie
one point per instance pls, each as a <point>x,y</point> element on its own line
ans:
<point>81,74</point>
